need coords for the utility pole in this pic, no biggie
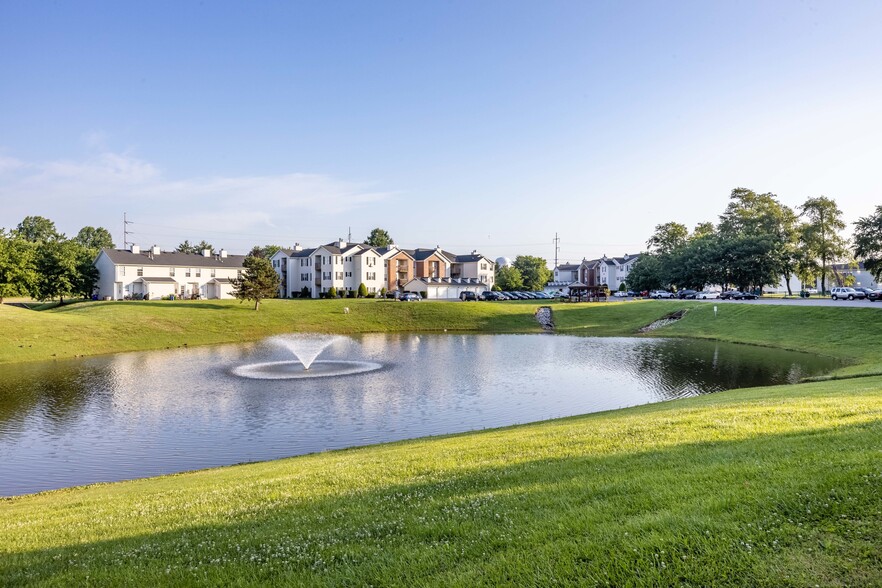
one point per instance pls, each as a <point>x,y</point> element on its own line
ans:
<point>126,232</point>
<point>556,248</point>
<point>349,237</point>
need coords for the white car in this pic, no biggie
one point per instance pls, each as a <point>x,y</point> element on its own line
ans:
<point>707,295</point>
<point>847,293</point>
<point>620,294</point>
<point>657,294</point>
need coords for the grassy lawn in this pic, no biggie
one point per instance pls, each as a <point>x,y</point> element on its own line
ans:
<point>764,487</point>
<point>778,486</point>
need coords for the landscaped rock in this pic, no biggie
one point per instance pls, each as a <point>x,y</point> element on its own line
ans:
<point>545,318</point>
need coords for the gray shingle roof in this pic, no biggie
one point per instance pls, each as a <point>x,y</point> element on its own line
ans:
<point>172,258</point>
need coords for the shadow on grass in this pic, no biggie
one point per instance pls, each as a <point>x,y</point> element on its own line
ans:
<point>778,510</point>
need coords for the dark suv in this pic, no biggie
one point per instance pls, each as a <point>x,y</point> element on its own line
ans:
<point>468,297</point>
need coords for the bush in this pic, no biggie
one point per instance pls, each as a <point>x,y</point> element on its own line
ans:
<point>382,292</point>
<point>424,294</point>
<point>350,294</point>
<point>362,290</point>
<point>305,293</point>
<point>332,293</point>
<point>371,295</point>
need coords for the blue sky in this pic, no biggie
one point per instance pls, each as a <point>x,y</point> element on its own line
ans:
<point>471,125</point>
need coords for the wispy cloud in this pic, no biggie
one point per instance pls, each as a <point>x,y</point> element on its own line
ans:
<point>97,189</point>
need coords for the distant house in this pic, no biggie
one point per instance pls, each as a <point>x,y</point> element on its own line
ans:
<point>153,273</point>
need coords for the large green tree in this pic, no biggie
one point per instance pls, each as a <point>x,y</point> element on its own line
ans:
<point>37,229</point>
<point>647,273</point>
<point>534,271</point>
<point>868,242</point>
<point>265,251</point>
<point>258,282</point>
<point>59,265</point>
<point>762,216</point>
<point>94,239</point>
<point>18,271</point>
<point>509,278</point>
<point>379,238</point>
<point>819,235</point>
<point>668,237</point>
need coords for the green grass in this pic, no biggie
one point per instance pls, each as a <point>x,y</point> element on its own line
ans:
<point>777,486</point>
<point>764,487</point>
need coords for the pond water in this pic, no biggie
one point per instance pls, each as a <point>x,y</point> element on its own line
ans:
<point>130,415</point>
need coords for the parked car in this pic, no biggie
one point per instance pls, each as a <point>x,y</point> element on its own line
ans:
<point>657,294</point>
<point>866,291</point>
<point>468,297</point>
<point>633,293</point>
<point>489,295</point>
<point>874,295</point>
<point>686,294</point>
<point>736,295</point>
<point>620,294</point>
<point>410,297</point>
<point>847,293</point>
<point>707,295</point>
<point>728,294</point>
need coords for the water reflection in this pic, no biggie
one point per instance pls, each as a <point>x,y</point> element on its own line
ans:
<point>139,414</point>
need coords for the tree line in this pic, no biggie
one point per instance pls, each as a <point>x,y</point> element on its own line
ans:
<point>38,261</point>
<point>757,241</point>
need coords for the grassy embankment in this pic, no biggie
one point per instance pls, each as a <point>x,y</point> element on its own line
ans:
<point>776,486</point>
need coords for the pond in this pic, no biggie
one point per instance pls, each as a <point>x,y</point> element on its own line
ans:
<point>131,415</point>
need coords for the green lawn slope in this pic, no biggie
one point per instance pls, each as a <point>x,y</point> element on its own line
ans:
<point>763,487</point>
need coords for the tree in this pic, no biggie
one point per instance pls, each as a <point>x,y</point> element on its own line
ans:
<point>702,230</point>
<point>763,216</point>
<point>202,246</point>
<point>819,235</point>
<point>379,238</point>
<point>362,290</point>
<point>868,242</point>
<point>266,251</point>
<point>332,292</point>
<point>647,274</point>
<point>509,278</point>
<point>534,271</point>
<point>185,247</point>
<point>258,281</point>
<point>37,229</point>
<point>668,237</point>
<point>58,265</point>
<point>18,272</point>
<point>94,239</point>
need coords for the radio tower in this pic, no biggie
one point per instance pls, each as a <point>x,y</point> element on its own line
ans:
<point>126,232</point>
<point>556,242</point>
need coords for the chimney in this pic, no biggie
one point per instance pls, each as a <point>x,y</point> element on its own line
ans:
<point>475,252</point>
<point>223,253</point>
<point>206,253</point>
<point>341,243</point>
<point>135,249</point>
<point>155,250</point>
<point>298,247</point>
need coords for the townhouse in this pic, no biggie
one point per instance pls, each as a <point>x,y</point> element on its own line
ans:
<point>609,271</point>
<point>152,273</point>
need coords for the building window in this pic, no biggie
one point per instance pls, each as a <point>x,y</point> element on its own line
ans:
<point>213,272</point>
<point>122,270</point>
<point>187,273</point>
<point>198,273</point>
<point>140,271</point>
<point>171,272</point>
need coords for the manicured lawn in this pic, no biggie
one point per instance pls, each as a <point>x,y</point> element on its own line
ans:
<point>765,487</point>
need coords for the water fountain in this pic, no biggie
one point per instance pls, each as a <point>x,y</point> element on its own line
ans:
<point>306,348</point>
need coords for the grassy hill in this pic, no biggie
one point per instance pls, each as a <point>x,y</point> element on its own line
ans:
<point>764,487</point>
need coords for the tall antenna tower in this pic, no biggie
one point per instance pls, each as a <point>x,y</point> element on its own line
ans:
<point>126,231</point>
<point>556,242</point>
<point>349,238</point>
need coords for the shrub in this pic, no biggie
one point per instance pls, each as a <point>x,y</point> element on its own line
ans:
<point>304,292</point>
<point>332,293</point>
<point>362,290</point>
<point>382,292</point>
<point>350,294</point>
<point>424,294</point>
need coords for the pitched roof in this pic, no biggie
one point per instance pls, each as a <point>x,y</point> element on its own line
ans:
<point>302,253</point>
<point>469,258</point>
<point>172,258</point>
<point>568,266</point>
<point>423,254</point>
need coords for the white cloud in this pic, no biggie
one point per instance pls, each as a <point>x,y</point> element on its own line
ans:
<point>96,190</point>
